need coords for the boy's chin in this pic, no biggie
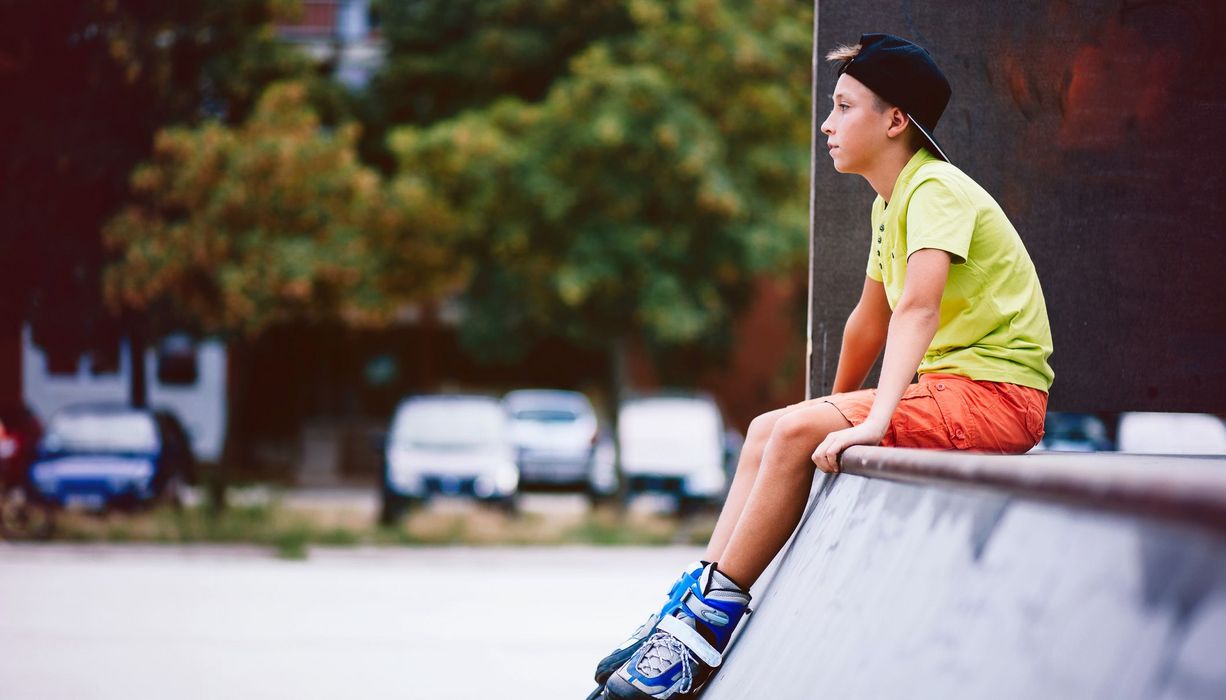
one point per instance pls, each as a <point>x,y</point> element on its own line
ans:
<point>841,165</point>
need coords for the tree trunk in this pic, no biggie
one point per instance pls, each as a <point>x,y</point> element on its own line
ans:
<point>138,384</point>
<point>429,332</point>
<point>235,447</point>
<point>11,349</point>
<point>618,377</point>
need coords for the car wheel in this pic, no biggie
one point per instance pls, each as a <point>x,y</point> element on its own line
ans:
<point>689,506</point>
<point>624,498</point>
<point>23,517</point>
<point>509,505</point>
<point>597,499</point>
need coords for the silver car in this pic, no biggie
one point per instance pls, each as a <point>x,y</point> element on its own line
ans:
<point>557,441</point>
<point>455,445</point>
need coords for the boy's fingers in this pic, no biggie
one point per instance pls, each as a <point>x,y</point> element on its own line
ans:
<point>818,457</point>
<point>826,456</point>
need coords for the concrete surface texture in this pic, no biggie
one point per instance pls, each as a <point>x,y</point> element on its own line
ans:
<point>1092,122</point>
<point>892,590</point>
<point>104,621</point>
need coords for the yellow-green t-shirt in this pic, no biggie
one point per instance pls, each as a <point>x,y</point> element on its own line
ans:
<point>993,321</point>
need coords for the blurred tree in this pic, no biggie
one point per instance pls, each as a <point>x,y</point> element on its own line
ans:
<point>446,56</point>
<point>86,84</point>
<point>644,192</point>
<point>275,221</point>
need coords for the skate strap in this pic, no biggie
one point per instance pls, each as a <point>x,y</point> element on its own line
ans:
<point>691,639</point>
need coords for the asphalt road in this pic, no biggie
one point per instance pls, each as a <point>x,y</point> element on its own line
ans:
<point>206,622</point>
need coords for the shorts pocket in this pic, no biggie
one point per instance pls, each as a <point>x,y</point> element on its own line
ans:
<point>918,422</point>
<point>958,419</point>
<point>1035,422</point>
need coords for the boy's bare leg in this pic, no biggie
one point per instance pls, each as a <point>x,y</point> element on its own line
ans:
<point>756,438</point>
<point>779,492</point>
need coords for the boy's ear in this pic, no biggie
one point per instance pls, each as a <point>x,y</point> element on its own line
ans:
<point>898,123</point>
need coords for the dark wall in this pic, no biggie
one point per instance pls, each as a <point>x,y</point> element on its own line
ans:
<point>1100,127</point>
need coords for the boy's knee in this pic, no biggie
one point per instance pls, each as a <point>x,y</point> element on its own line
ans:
<point>792,428</point>
<point>760,427</point>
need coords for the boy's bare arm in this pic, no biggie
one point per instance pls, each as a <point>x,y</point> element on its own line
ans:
<point>863,337</point>
<point>913,325</point>
<point>911,331</point>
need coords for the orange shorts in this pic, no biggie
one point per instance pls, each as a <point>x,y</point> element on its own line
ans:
<point>952,412</point>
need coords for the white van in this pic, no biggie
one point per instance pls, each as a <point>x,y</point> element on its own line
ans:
<point>673,444</point>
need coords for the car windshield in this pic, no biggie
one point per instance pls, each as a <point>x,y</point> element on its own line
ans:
<point>450,424</point>
<point>546,415</point>
<point>91,432</point>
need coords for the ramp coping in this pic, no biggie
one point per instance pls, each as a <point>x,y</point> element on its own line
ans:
<point>1186,489</point>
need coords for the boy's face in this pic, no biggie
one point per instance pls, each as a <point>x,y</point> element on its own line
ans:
<point>856,129</point>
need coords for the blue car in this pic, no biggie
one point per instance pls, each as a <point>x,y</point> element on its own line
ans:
<point>98,457</point>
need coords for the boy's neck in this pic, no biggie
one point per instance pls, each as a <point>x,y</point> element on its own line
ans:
<point>884,173</point>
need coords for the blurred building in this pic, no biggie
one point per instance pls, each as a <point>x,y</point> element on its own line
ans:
<point>342,36</point>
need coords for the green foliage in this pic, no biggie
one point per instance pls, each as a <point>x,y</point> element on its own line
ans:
<point>593,169</point>
<point>445,56</point>
<point>273,221</point>
<point>644,191</point>
<point>448,56</point>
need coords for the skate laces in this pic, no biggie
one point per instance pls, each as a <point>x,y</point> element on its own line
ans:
<point>661,652</point>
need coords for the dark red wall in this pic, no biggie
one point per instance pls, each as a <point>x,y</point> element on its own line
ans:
<point>1099,126</point>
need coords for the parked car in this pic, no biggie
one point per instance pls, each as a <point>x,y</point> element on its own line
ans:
<point>1074,432</point>
<point>102,456</point>
<point>21,515</point>
<point>1172,433</point>
<point>456,445</point>
<point>673,444</point>
<point>556,434</point>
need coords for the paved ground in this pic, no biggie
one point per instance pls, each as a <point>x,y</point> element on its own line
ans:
<point>205,622</point>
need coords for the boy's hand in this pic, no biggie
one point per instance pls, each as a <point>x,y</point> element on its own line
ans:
<point>826,456</point>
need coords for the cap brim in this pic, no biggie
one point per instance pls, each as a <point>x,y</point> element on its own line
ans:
<point>936,147</point>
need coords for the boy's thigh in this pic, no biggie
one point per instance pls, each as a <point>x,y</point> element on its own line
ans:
<point>768,420</point>
<point>918,421</point>
<point>809,421</point>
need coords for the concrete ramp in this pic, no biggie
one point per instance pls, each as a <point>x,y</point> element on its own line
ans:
<point>914,584</point>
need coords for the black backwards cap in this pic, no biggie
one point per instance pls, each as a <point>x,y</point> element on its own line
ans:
<point>903,74</point>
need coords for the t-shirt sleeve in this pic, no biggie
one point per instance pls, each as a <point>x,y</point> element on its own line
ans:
<point>940,217</point>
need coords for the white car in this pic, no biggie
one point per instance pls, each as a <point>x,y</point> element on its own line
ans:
<point>455,445</point>
<point>673,444</point>
<point>1172,434</point>
<point>557,441</point>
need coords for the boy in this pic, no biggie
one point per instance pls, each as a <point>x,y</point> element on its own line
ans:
<point>950,291</point>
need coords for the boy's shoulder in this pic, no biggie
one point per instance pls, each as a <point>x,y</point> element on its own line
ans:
<point>947,177</point>
<point>936,169</point>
